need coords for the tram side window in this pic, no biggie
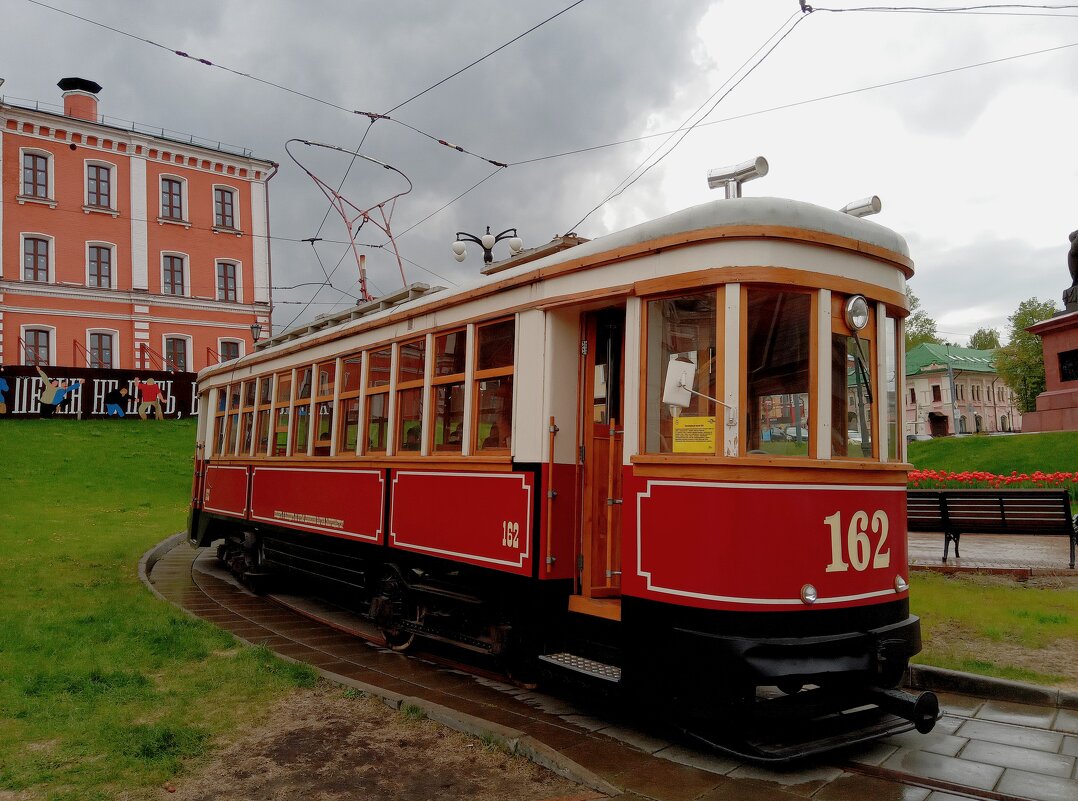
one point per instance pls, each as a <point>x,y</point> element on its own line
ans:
<point>778,417</point>
<point>348,415</point>
<point>301,414</point>
<point>894,389</point>
<point>494,385</point>
<point>323,404</point>
<point>411,362</point>
<point>247,416</point>
<point>448,392</point>
<point>376,417</point>
<point>232,425</point>
<point>282,413</point>
<point>851,397</point>
<point>219,421</point>
<point>681,335</point>
<point>264,415</point>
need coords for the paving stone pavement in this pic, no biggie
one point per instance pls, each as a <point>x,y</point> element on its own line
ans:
<point>1004,749</point>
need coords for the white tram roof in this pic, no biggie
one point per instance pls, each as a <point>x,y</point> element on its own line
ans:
<point>771,212</point>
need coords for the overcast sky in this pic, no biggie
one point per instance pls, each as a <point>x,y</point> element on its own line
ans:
<point>976,168</point>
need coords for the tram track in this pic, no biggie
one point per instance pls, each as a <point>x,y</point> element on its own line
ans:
<point>210,579</point>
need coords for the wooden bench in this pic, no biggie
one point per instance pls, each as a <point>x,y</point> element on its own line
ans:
<point>989,511</point>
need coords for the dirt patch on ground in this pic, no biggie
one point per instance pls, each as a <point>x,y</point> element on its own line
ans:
<point>322,745</point>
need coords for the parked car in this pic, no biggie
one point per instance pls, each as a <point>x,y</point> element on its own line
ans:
<point>918,437</point>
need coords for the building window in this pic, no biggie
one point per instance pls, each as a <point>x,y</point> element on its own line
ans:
<point>172,280</point>
<point>937,395</point>
<point>99,186</point>
<point>35,259</point>
<point>172,198</point>
<point>230,349</point>
<point>226,281</point>
<point>224,213</point>
<point>35,175</point>
<point>101,350</point>
<point>176,353</point>
<point>36,347</point>
<point>913,395</point>
<point>100,272</point>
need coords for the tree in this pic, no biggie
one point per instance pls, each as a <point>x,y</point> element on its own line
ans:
<point>919,327</point>
<point>984,339</point>
<point>1021,362</point>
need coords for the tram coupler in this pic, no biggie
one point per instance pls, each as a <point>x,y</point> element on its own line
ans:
<point>923,710</point>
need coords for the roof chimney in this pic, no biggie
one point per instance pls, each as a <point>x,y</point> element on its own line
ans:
<point>80,98</point>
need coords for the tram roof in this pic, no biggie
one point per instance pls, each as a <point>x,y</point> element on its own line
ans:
<point>753,212</point>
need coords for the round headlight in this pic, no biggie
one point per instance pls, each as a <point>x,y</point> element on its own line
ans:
<point>857,312</point>
<point>900,584</point>
<point>808,594</point>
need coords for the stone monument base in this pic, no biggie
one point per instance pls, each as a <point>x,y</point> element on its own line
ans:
<point>1057,406</point>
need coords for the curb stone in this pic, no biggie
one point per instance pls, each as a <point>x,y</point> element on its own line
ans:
<point>925,677</point>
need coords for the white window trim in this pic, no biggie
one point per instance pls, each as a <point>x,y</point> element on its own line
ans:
<point>113,172</point>
<point>237,340</point>
<point>37,327</point>
<point>186,273</point>
<point>23,236</point>
<point>115,334</point>
<point>235,208</point>
<point>50,177</point>
<point>184,197</point>
<point>188,352</point>
<point>239,279</point>
<point>112,263</point>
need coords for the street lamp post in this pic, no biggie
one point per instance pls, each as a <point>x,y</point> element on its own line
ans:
<point>487,242</point>
<point>256,331</point>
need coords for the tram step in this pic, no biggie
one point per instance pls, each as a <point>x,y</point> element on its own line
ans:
<point>583,665</point>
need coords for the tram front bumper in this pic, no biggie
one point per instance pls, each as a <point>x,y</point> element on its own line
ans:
<point>877,656</point>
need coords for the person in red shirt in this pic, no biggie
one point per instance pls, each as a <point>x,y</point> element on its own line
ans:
<point>150,395</point>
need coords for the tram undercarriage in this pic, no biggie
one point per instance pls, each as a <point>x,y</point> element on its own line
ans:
<point>763,698</point>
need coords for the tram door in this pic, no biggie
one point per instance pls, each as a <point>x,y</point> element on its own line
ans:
<point>603,380</point>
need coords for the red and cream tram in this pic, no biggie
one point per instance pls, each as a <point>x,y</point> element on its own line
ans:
<point>668,459</point>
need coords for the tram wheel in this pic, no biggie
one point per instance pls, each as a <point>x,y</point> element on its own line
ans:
<point>394,608</point>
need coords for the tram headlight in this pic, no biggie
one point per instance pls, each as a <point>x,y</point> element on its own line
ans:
<point>809,594</point>
<point>857,312</point>
<point>900,584</point>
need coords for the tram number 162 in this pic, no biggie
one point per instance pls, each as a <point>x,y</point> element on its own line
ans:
<point>510,534</point>
<point>858,543</point>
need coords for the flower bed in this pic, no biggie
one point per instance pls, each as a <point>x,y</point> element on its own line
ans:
<point>942,479</point>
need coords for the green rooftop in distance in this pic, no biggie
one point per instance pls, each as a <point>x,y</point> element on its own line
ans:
<point>931,358</point>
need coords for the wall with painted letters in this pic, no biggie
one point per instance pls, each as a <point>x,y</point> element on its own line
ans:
<point>20,399</point>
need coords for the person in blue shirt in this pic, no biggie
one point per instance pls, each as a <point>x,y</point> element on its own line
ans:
<point>3,398</point>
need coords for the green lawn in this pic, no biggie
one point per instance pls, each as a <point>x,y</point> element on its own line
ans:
<point>104,688</point>
<point>1026,453</point>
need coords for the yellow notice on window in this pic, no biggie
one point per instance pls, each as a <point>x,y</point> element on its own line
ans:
<point>694,435</point>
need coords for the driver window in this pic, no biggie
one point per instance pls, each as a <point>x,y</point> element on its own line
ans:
<point>778,355</point>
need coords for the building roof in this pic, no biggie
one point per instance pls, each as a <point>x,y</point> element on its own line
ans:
<point>931,358</point>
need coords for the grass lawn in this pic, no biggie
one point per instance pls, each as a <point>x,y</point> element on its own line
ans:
<point>104,688</point>
<point>1026,453</point>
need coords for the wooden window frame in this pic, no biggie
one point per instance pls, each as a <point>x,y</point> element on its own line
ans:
<point>93,349</point>
<point>344,396</point>
<point>95,194</point>
<point>482,375</point>
<point>368,394</point>
<point>169,263</point>
<point>39,164</point>
<point>445,379</point>
<point>247,416</point>
<point>224,212</point>
<point>409,386</point>
<point>32,350</point>
<point>867,335</point>
<point>318,399</point>
<point>277,405</point>
<point>262,405</point>
<point>297,403</point>
<point>172,197</point>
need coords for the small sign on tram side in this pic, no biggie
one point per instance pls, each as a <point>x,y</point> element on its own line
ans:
<point>694,434</point>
